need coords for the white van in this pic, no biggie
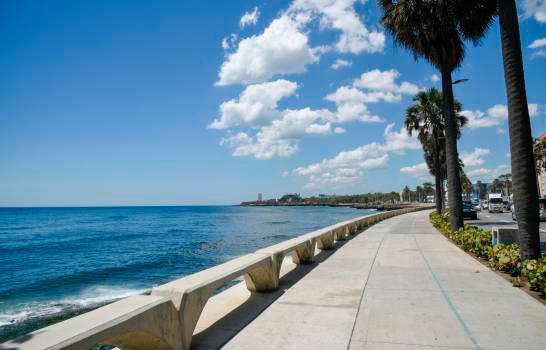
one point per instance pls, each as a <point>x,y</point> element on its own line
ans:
<point>496,205</point>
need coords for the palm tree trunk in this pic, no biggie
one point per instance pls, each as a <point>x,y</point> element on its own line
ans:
<point>452,156</point>
<point>438,182</point>
<point>521,140</point>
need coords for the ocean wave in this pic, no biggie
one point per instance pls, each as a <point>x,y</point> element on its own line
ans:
<point>277,237</point>
<point>279,222</point>
<point>89,298</point>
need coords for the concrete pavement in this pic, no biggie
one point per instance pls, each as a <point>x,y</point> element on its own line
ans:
<point>398,285</point>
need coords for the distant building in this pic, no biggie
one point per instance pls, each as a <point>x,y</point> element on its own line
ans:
<point>541,178</point>
<point>260,197</point>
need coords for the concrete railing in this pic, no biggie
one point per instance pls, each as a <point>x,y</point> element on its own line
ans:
<point>167,318</point>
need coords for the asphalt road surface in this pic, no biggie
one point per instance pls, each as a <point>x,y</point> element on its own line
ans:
<point>487,220</point>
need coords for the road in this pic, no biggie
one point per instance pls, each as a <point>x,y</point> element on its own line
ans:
<point>487,220</point>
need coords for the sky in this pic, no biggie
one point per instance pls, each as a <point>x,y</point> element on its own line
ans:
<point>198,102</point>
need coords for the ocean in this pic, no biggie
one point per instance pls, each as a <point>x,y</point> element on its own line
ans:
<point>58,262</point>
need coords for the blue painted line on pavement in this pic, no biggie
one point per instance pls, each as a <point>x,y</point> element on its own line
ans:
<point>448,299</point>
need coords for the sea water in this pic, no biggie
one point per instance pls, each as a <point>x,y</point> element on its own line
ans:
<point>58,262</point>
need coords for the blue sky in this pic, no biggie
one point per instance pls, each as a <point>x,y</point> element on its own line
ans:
<point>195,102</point>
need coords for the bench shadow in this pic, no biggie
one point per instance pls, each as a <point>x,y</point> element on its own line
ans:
<point>220,332</point>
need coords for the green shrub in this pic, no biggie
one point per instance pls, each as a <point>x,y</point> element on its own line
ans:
<point>469,238</point>
<point>506,258</point>
<point>535,271</point>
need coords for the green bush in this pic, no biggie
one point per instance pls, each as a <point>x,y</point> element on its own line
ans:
<point>469,238</point>
<point>506,258</point>
<point>535,271</point>
<point>502,257</point>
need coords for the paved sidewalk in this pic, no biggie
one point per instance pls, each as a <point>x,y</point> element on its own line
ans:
<point>398,285</point>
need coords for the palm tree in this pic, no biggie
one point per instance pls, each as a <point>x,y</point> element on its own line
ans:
<point>436,30</point>
<point>479,184</point>
<point>406,193</point>
<point>507,180</point>
<point>419,193</point>
<point>521,140</point>
<point>428,188</point>
<point>425,117</point>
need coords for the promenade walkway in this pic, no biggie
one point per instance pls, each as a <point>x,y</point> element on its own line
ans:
<point>399,285</point>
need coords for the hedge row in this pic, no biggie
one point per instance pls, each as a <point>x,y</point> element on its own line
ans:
<point>502,257</point>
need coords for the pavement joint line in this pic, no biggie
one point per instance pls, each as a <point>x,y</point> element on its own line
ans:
<point>448,299</point>
<point>366,285</point>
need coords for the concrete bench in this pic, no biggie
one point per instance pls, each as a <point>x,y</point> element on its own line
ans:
<point>142,321</point>
<point>190,294</point>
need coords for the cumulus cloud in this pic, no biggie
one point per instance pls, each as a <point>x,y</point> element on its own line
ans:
<point>535,9</point>
<point>537,47</point>
<point>475,157</point>
<point>385,81</point>
<point>229,42</point>
<point>256,106</point>
<point>371,87</point>
<point>281,137</point>
<point>281,49</point>
<point>339,63</point>
<point>340,15</point>
<point>538,43</point>
<point>250,18</point>
<point>495,116</point>
<point>488,174</point>
<point>434,78</point>
<point>347,167</point>
<point>420,171</point>
<point>267,131</point>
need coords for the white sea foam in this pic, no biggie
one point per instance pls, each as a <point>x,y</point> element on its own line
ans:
<point>88,298</point>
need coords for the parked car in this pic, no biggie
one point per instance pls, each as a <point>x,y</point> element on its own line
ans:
<point>541,210</point>
<point>507,205</point>
<point>485,204</point>
<point>469,211</point>
<point>477,205</point>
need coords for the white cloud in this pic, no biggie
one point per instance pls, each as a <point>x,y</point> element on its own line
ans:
<point>281,49</point>
<point>250,18</point>
<point>535,9</point>
<point>256,106</point>
<point>434,78</point>
<point>420,171</point>
<point>539,53</point>
<point>495,116</point>
<point>350,105</point>
<point>538,43</point>
<point>474,158</point>
<point>385,81</point>
<point>229,42</point>
<point>371,87</point>
<point>374,155</point>
<point>268,131</point>
<point>260,149</point>
<point>339,63</point>
<point>281,137</point>
<point>487,174</point>
<point>341,16</point>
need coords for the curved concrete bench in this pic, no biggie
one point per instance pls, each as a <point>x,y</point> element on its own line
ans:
<point>167,318</point>
<point>190,294</point>
<point>142,321</point>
